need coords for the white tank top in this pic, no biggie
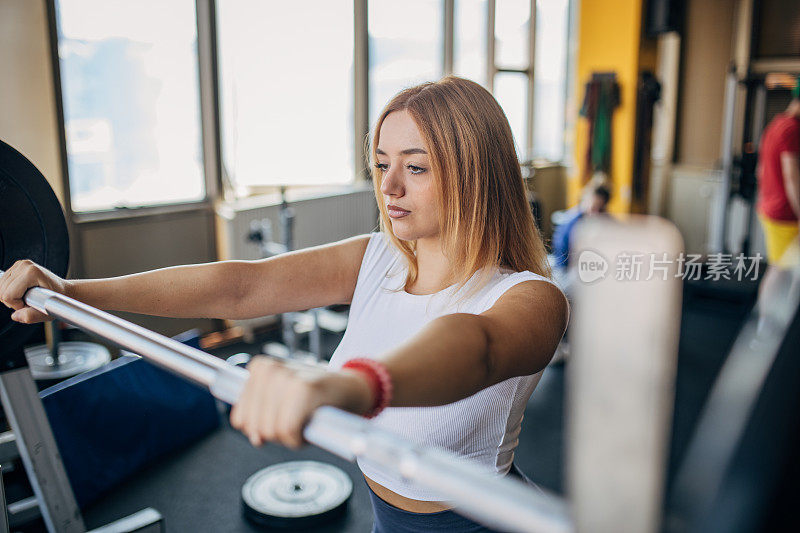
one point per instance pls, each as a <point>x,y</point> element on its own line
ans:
<point>483,427</point>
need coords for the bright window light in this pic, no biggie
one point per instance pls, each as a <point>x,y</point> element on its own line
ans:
<point>511,21</point>
<point>131,106</point>
<point>511,92</point>
<point>286,91</point>
<point>550,79</point>
<point>469,40</point>
<point>405,47</point>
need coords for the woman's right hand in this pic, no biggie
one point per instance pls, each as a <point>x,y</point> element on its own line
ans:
<point>16,281</point>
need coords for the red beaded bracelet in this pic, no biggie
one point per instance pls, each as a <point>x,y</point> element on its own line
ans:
<point>380,382</point>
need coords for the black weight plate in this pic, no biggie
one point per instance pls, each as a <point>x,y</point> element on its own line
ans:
<point>296,494</point>
<point>32,226</point>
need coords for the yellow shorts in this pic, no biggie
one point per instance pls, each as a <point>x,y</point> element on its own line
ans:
<point>781,239</point>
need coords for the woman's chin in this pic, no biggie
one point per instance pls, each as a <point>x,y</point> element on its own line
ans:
<point>403,233</point>
<point>403,237</point>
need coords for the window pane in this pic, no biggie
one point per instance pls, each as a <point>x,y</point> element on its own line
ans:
<point>549,84</point>
<point>511,92</point>
<point>405,47</point>
<point>511,22</point>
<point>469,40</point>
<point>131,105</point>
<point>286,92</point>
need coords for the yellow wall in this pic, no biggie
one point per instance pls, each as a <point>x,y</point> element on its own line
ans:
<point>609,39</point>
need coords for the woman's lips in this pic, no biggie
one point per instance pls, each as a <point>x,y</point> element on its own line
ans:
<point>396,212</point>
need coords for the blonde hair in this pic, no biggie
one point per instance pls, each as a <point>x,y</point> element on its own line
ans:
<point>485,219</point>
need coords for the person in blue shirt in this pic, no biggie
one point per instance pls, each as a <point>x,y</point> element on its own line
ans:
<point>595,201</point>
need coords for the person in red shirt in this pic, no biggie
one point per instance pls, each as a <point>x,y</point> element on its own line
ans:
<point>779,204</point>
<point>779,183</point>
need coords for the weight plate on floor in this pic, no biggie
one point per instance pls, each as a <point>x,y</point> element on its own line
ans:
<point>74,357</point>
<point>296,494</point>
<point>32,226</point>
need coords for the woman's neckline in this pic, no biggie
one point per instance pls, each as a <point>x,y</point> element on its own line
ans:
<point>429,293</point>
<point>404,270</point>
<point>472,278</point>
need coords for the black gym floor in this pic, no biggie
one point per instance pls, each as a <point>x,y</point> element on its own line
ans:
<point>198,489</point>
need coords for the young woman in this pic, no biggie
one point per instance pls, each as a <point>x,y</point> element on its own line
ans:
<point>453,314</point>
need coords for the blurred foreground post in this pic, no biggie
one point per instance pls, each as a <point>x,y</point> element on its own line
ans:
<point>624,338</point>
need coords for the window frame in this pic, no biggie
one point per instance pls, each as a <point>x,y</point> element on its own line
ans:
<point>494,68</point>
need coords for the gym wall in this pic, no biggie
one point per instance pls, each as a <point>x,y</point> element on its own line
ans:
<point>126,245</point>
<point>610,39</point>
<point>707,50</point>
<point>27,106</point>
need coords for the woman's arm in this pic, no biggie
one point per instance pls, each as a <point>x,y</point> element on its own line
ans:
<point>313,277</point>
<point>454,357</point>
<point>457,355</point>
<point>790,168</point>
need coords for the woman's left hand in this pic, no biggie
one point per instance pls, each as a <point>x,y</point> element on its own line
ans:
<point>278,400</point>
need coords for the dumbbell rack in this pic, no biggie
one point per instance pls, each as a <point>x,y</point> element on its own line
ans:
<point>33,438</point>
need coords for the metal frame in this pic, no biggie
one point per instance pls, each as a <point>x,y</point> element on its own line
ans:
<point>75,244</point>
<point>718,221</point>
<point>3,509</point>
<point>531,77</point>
<point>757,128</point>
<point>741,51</point>
<point>765,66</point>
<point>32,439</point>
<point>361,88</point>
<point>208,73</point>
<point>448,52</point>
<point>8,447</point>
<point>493,68</point>
<point>39,453</point>
<point>23,511</point>
<point>734,111</point>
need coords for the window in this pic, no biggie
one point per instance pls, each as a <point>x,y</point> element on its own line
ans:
<point>511,66</point>
<point>131,104</point>
<point>469,41</point>
<point>511,92</point>
<point>286,92</point>
<point>511,22</point>
<point>550,79</point>
<point>286,75</point>
<point>406,43</point>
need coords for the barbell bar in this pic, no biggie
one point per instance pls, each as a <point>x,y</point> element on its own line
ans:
<point>500,502</point>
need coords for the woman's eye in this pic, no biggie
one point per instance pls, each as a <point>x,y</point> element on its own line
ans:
<point>381,166</point>
<point>415,169</point>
